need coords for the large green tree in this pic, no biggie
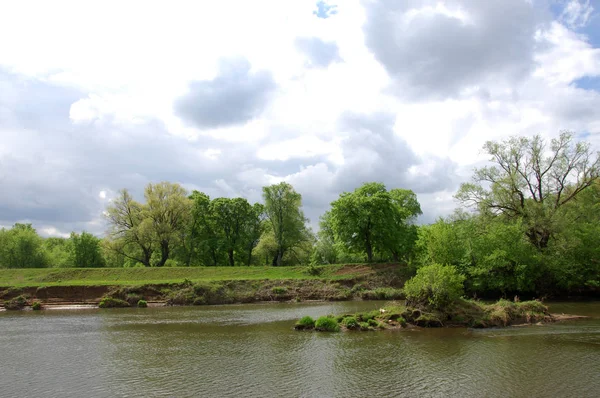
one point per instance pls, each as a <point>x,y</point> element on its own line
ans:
<point>372,219</point>
<point>231,217</point>
<point>283,210</point>
<point>22,247</point>
<point>532,181</point>
<point>86,250</point>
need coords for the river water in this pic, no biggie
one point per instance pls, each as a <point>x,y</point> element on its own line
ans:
<point>252,351</point>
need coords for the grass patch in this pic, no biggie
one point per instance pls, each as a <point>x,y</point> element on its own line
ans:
<point>142,304</point>
<point>327,324</point>
<point>305,323</point>
<point>110,302</point>
<point>17,303</point>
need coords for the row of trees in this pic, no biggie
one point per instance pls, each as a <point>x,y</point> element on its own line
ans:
<point>529,222</point>
<point>22,247</point>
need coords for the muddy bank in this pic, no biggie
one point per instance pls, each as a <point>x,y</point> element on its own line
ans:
<point>379,286</point>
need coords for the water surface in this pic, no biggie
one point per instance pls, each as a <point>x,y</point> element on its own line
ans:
<point>252,351</point>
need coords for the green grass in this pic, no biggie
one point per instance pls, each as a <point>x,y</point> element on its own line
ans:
<point>39,277</point>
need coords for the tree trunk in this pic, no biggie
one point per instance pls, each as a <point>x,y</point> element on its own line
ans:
<point>395,256</point>
<point>369,250</point>
<point>164,253</point>
<point>249,256</point>
<point>231,259</point>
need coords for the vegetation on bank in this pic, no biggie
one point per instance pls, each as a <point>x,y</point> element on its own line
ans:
<point>434,299</point>
<point>529,225</point>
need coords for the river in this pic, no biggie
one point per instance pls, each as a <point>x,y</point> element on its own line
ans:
<point>252,351</point>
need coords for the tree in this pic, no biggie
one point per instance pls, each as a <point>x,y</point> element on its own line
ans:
<point>167,208</point>
<point>282,208</point>
<point>22,247</point>
<point>231,218</point>
<point>532,182</point>
<point>130,230</point>
<point>254,229</point>
<point>86,250</point>
<point>371,218</point>
<point>138,230</point>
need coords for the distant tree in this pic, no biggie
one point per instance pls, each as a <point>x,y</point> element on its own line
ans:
<point>532,181</point>
<point>283,210</point>
<point>138,230</point>
<point>371,218</point>
<point>86,250</point>
<point>167,209</point>
<point>253,230</point>
<point>231,217</point>
<point>22,247</point>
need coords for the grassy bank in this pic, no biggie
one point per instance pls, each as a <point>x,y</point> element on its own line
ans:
<point>207,285</point>
<point>41,277</point>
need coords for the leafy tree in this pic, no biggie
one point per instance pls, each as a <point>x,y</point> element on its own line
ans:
<point>372,219</point>
<point>231,217</point>
<point>282,208</point>
<point>59,252</point>
<point>253,230</point>
<point>22,247</point>
<point>532,182</point>
<point>138,230</point>
<point>130,229</point>
<point>167,209</point>
<point>86,250</point>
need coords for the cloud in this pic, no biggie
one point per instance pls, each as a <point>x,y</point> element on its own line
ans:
<point>577,13</point>
<point>236,95</point>
<point>436,50</point>
<point>320,53</point>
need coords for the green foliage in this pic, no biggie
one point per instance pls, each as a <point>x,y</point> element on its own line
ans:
<point>21,247</point>
<point>17,303</point>
<point>314,270</point>
<point>305,323</point>
<point>111,302</point>
<point>142,304</point>
<point>279,290</point>
<point>36,306</point>
<point>372,219</point>
<point>350,322</point>
<point>86,250</point>
<point>435,286</point>
<point>327,324</point>
<point>286,219</point>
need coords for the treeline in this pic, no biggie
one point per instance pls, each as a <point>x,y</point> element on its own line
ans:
<point>529,223</point>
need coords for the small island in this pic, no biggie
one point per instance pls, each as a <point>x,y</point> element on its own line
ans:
<point>434,299</point>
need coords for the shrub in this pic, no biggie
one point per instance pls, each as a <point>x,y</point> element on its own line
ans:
<point>327,324</point>
<point>435,286</point>
<point>350,322</point>
<point>279,290</point>
<point>17,303</point>
<point>314,270</point>
<point>36,306</point>
<point>305,323</point>
<point>142,304</point>
<point>133,298</point>
<point>110,302</point>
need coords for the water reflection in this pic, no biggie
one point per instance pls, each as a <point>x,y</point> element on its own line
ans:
<point>252,351</point>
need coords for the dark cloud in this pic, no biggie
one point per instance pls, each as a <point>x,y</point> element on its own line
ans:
<point>235,96</point>
<point>319,53</point>
<point>436,55</point>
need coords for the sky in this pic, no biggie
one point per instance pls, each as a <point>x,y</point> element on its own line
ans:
<point>226,97</point>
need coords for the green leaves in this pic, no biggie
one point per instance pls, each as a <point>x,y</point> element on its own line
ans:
<point>372,219</point>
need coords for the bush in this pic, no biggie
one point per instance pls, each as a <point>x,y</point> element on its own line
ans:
<point>350,322</point>
<point>435,286</point>
<point>305,323</point>
<point>327,324</point>
<point>17,303</point>
<point>142,304</point>
<point>36,306</point>
<point>110,302</point>
<point>314,270</point>
<point>279,290</point>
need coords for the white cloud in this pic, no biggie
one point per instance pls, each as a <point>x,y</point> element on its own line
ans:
<point>400,92</point>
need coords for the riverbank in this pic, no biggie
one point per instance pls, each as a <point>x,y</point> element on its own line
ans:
<point>206,285</point>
